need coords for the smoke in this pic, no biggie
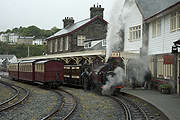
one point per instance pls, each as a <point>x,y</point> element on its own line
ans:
<point>115,34</point>
<point>114,80</point>
<point>137,68</point>
<point>115,28</point>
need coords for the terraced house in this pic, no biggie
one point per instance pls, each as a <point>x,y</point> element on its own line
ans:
<point>75,35</point>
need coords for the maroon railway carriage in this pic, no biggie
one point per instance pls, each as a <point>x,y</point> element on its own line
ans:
<point>49,72</point>
<point>26,70</point>
<point>13,70</point>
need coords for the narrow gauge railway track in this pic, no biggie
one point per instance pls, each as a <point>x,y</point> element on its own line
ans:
<point>20,96</point>
<point>67,107</point>
<point>131,110</point>
<point>12,97</point>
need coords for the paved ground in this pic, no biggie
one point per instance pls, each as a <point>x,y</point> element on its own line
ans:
<point>169,104</point>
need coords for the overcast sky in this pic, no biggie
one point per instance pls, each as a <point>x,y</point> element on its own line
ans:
<point>46,13</point>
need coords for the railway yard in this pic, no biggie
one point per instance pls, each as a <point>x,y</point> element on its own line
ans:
<point>22,101</point>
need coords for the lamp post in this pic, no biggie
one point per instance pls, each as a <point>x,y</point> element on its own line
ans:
<point>175,67</point>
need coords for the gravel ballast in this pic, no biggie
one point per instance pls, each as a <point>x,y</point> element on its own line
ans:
<point>40,103</point>
<point>94,107</point>
<point>6,92</point>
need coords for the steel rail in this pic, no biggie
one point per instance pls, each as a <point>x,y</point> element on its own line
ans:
<point>17,102</point>
<point>11,98</point>
<point>126,109</point>
<point>74,106</point>
<point>141,110</point>
<point>57,109</point>
<point>61,106</point>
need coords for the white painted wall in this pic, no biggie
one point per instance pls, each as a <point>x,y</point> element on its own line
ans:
<point>134,18</point>
<point>37,42</point>
<point>162,43</point>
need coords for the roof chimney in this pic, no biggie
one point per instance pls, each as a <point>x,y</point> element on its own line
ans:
<point>68,21</point>
<point>96,11</point>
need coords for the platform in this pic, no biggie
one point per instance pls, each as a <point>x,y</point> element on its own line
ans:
<point>167,103</point>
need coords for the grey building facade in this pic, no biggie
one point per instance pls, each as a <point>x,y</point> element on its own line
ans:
<point>72,37</point>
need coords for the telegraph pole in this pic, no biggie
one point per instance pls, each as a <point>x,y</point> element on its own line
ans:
<point>28,51</point>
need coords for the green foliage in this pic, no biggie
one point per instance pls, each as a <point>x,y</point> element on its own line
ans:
<point>165,86</point>
<point>33,31</point>
<point>22,50</point>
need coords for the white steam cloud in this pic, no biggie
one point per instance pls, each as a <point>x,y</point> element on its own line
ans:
<point>115,34</point>
<point>115,26</point>
<point>114,80</point>
<point>137,68</point>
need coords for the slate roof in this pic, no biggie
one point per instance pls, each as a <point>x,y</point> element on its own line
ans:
<point>6,56</point>
<point>150,8</point>
<point>74,27</point>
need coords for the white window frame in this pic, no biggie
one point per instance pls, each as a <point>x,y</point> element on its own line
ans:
<point>156,28</point>
<point>178,20</point>
<point>80,40</point>
<point>135,33</point>
<point>173,22</point>
<point>67,43</point>
<point>61,44</point>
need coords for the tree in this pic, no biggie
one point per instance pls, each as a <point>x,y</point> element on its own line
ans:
<point>54,29</point>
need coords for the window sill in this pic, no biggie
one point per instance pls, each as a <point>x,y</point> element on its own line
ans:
<point>134,40</point>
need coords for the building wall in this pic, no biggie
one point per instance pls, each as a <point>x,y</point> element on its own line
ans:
<point>164,42</point>
<point>96,29</point>
<point>9,37</point>
<point>161,46</point>
<point>38,42</point>
<point>133,18</point>
<point>28,41</point>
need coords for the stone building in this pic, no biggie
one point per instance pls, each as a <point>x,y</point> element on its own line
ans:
<point>25,40</point>
<point>72,37</point>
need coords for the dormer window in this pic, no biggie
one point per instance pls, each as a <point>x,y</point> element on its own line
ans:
<point>87,45</point>
<point>80,40</point>
<point>104,42</point>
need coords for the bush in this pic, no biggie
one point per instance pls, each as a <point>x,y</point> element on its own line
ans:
<point>165,88</point>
